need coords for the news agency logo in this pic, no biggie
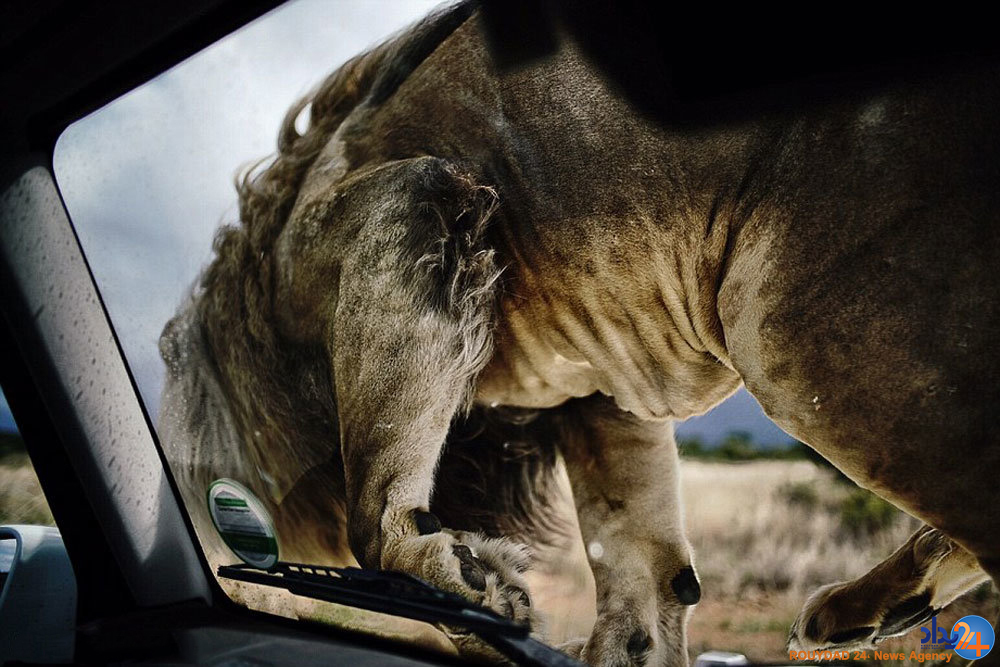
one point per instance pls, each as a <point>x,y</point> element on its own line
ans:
<point>971,637</point>
<point>936,636</point>
<point>975,637</point>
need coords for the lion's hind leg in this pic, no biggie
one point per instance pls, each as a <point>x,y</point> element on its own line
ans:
<point>902,592</point>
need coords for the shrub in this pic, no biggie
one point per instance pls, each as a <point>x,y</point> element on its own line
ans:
<point>738,446</point>
<point>692,447</point>
<point>864,513</point>
<point>10,444</point>
<point>799,494</point>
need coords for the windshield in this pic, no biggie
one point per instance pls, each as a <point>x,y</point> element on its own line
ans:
<point>148,183</point>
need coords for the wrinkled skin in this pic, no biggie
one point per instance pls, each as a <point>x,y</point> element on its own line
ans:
<point>525,239</point>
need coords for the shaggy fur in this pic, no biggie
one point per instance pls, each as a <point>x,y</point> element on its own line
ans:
<point>247,400</point>
<point>458,275</point>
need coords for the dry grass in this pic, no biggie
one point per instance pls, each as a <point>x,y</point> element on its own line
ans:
<point>21,499</point>
<point>776,526</point>
<point>766,533</point>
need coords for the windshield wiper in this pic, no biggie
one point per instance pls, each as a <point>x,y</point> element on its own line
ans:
<point>401,594</point>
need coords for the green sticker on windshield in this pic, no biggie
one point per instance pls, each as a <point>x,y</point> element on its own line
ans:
<point>243,523</point>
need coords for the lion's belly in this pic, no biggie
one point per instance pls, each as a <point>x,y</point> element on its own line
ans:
<point>548,355</point>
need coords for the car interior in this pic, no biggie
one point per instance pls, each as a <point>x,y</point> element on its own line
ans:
<point>125,566</point>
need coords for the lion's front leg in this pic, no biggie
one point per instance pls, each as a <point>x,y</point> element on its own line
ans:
<point>410,328</point>
<point>624,474</point>
<point>395,402</point>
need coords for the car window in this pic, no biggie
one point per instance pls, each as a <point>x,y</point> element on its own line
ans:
<point>21,497</point>
<point>147,204</point>
<point>148,181</point>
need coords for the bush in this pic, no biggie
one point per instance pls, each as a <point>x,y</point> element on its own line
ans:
<point>738,446</point>
<point>864,513</point>
<point>799,494</point>
<point>692,447</point>
<point>10,444</point>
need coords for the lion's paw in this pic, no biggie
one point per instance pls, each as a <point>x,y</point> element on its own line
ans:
<point>898,595</point>
<point>495,569</point>
<point>487,571</point>
<point>573,647</point>
<point>619,639</point>
<point>829,621</point>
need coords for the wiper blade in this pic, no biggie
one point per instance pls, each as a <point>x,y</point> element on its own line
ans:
<point>388,592</point>
<point>401,594</point>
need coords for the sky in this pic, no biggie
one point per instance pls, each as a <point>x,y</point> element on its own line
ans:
<point>149,178</point>
<point>6,419</point>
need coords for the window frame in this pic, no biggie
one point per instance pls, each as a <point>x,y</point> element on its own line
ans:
<point>70,62</point>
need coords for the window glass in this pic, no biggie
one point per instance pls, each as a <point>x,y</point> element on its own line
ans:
<point>148,180</point>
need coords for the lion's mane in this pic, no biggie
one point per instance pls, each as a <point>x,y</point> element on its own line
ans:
<point>244,401</point>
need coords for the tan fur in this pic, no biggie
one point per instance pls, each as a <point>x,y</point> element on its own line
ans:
<point>622,468</point>
<point>445,242</point>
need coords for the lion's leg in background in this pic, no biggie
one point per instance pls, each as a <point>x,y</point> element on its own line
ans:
<point>624,474</point>
<point>312,517</point>
<point>407,326</point>
<point>902,592</point>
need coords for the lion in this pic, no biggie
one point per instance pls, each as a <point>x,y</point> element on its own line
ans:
<point>460,279</point>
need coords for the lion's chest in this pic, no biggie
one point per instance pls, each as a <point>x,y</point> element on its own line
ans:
<point>530,373</point>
